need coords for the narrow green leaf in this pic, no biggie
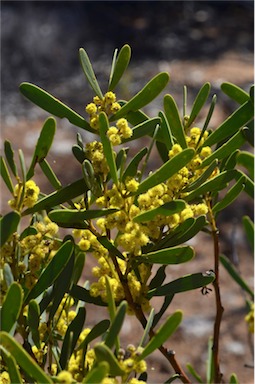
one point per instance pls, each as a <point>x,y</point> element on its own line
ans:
<point>146,128</point>
<point>43,144</point>
<point>209,362</point>
<point>201,179</point>
<point>107,147</point>
<point>9,154</point>
<point>166,209</point>
<point>120,66</point>
<point>62,285</point>
<point>235,92</point>
<point>98,330</point>
<point>150,91</point>
<point>6,175</point>
<point>167,301</point>
<point>199,102</point>
<point>116,325</point>
<point>230,196</point>
<point>196,225</point>
<point>52,271</point>
<point>74,217</point>
<point>175,255</point>
<point>89,72</point>
<point>78,267</point>
<point>97,374</point>
<point>147,328</point>
<point>103,353</point>
<point>174,120</point>
<point>78,153</point>
<point>12,367</point>
<point>226,149</point>
<point>26,362</point>
<point>215,184</point>
<point>249,230</point>
<point>80,293</point>
<point>132,167</point>
<point>111,248</point>
<point>8,276</point>
<point>164,332</point>
<point>235,275</point>
<point>181,229</point>
<point>166,170</point>
<point>71,337</point>
<point>231,161</point>
<point>209,115</point>
<point>233,379</point>
<point>8,225</point>
<point>135,117</point>
<point>23,168</point>
<point>52,105</point>
<point>174,377</point>
<point>162,151</point>
<point>194,373</point>
<point>183,284</point>
<point>64,194</point>
<point>33,321</point>
<point>246,159</point>
<point>49,173</point>
<point>159,277</point>
<point>165,134</point>
<point>232,124</point>
<point>11,307</point>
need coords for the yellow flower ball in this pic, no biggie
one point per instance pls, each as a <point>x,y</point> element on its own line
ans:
<point>65,377</point>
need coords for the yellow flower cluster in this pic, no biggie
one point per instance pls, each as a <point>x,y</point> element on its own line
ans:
<point>39,353</point>
<point>5,378</point>
<point>35,251</point>
<point>249,318</point>
<point>108,105</point>
<point>26,198</point>
<point>94,152</point>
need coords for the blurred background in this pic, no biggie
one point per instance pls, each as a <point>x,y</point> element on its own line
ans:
<point>196,42</point>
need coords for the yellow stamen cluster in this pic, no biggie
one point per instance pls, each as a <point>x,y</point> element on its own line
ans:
<point>108,105</point>
<point>95,153</point>
<point>29,198</point>
<point>5,378</point>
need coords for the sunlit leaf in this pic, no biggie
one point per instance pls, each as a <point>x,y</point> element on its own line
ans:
<point>72,217</point>
<point>166,209</point>
<point>166,170</point>
<point>183,284</point>
<point>215,184</point>
<point>98,330</point>
<point>49,173</point>
<point>174,120</point>
<point>64,194</point>
<point>52,105</point>
<point>174,255</point>
<point>226,149</point>
<point>11,307</point>
<point>12,367</point>
<point>162,334</point>
<point>132,167</point>
<point>43,144</point>
<point>9,154</point>
<point>33,321</point>
<point>89,72</point>
<point>97,374</point>
<point>52,271</point>
<point>232,124</point>
<point>235,92</point>
<point>233,379</point>
<point>8,225</point>
<point>150,91</point>
<point>80,293</point>
<point>6,175</point>
<point>24,360</point>
<point>199,102</point>
<point>147,328</point>
<point>165,134</point>
<point>103,353</point>
<point>204,176</point>
<point>119,66</point>
<point>194,373</point>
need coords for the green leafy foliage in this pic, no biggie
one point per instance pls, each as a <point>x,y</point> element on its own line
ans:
<point>133,222</point>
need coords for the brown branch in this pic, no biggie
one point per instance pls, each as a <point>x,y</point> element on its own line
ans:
<point>219,308</point>
<point>169,355</point>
